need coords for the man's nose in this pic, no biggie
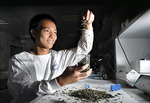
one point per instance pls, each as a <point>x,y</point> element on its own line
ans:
<point>51,35</point>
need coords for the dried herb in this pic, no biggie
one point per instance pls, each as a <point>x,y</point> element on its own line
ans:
<point>82,60</point>
<point>83,24</point>
<point>91,95</point>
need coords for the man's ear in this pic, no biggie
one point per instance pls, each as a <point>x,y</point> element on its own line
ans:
<point>32,32</point>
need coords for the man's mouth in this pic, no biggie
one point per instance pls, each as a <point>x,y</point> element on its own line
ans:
<point>50,41</point>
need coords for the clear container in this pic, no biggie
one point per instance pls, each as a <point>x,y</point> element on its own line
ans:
<point>82,60</point>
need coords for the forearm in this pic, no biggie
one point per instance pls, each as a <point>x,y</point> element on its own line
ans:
<point>85,43</point>
<point>73,74</point>
<point>60,81</point>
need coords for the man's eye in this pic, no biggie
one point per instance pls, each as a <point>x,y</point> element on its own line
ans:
<point>46,30</point>
<point>55,32</point>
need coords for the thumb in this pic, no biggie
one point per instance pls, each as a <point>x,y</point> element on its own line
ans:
<point>83,18</point>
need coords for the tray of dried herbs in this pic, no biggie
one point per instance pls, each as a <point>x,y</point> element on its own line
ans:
<point>90,95</point>
<point>99,92</point>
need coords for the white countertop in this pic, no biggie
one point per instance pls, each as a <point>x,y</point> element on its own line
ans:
<point>128,95</point>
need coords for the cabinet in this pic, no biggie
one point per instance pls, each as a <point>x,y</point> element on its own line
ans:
<point>108,41</point>
<point>133,42</point>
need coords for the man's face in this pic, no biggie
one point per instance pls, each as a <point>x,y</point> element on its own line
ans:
<point>47,35</point>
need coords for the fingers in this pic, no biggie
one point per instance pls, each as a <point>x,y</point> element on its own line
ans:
<point>83,17</point>
<point>83,67</point>
<point>85,74</point>
<point>89,16</point>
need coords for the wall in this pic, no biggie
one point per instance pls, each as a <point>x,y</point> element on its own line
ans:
<point>28,44</point>
<point>5,40</point>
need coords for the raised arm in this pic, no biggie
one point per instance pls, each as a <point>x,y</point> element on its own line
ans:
<point>86,41</point>
<point>85,44</point>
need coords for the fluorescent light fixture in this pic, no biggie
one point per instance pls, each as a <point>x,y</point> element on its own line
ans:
<point>70,17</point>
<point>2,22</point>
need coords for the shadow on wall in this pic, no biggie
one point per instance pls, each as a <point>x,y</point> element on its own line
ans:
<point>5,97</point>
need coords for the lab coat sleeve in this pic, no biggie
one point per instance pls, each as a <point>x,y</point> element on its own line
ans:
<point>85,43</point>
<point>21,85</point>
<point>69,57</point>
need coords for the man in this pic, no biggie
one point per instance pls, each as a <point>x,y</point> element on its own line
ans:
<point>43,70</point>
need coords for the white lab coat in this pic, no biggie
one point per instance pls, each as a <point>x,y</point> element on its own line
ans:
<point>35,75</point>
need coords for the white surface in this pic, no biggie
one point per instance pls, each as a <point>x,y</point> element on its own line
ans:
<point>130,77</point>
<point>138,27</point>
<point>141,66</point>
<point>94,84</point>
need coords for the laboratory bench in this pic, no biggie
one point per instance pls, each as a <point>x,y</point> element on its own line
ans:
<point>127,93</point>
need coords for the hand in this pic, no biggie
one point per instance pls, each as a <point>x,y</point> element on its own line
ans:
<point>73,74</point>
<point>89,17</point>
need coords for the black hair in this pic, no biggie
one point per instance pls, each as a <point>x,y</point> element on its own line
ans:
<point>35,22</point>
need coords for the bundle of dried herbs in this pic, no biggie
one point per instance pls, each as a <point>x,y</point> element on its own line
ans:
<point>91,95</point>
